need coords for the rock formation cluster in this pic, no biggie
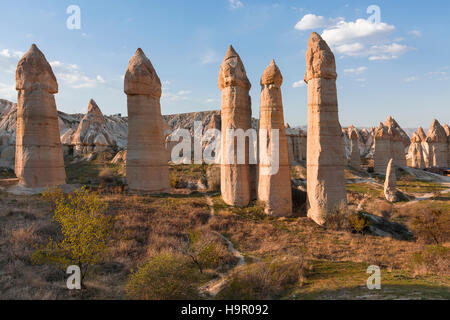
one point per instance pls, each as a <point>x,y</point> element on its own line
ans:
<point>416,152</point>
<point>325,154</point>
<point>39,159</point>
<point>437,146</point>
<point>389,144</point>
<point>147,167</point>
<point>274,188</point>
<point>236,114</point>
<point>296,142</point>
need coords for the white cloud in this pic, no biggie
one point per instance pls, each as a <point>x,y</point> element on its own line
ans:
<point>7,92</point>
<point>356,71</point>
<point>351,49</point>
<point>440,75</point>
<point>235,4</point>
<point>299,84</point>
<point>71,75</point>
<point>411,79</point>
<point>209,56</point>
<point>359,38</point>
<point>416,33</point>
<point>181,95</point>
<point>311,21</point>
<point>345,32</point>
<point>15,54</point>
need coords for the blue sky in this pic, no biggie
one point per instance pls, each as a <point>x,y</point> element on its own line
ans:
<point>399,66</point>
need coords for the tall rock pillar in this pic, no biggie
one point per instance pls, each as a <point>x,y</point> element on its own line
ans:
<point>236,114</point>
<point>39,157</point>
<point>325,155</point>
<point>416,152</point>
<point>355,157</point>
<point>274,186</point>
<point>147,167</point>
<point>382,152</point>
<point>437,142</point>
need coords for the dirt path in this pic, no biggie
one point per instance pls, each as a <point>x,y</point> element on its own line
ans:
<point>213,287</point>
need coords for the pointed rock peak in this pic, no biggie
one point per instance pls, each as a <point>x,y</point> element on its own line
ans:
<point>416,138</point>
<point>390,122</point>
<point>320,61</point>
<point>436,133</point>
<point>93,107</point>
<point>34,71</point>
<point>231,53</point>
<point>447,130</point>
<point>141,77</point>
<point>435,124</point>
<point>421,133</point>
<point>232,71</point>
<point>354,134</point>
<point>272,75</point>
<point>382,132</point>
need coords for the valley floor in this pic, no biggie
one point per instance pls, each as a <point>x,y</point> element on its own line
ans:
<point>329,264</point>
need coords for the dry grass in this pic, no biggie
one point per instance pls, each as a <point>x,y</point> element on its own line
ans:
<point>149,225</point>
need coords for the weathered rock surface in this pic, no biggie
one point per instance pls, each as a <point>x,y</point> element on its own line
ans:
<point>325,154</point>
<point>447,131</point>
<point>416,152</point>
<point>296,144</point>
<point>382,152</point>
<point>274,188</point>
<point>437,144</point>
<point>355,157</point>
<point>39,159</point>
<point>390,184</point>
<point>147,167</point>
<point>236,184</point>
<point>92,134</point>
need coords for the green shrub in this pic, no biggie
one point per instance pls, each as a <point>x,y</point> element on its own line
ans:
<point>358,222</point>
<point>264,280</point>
<point>167,276</point>
<point>204,251</point>
<point>174,180</point>
<point>85,230</point>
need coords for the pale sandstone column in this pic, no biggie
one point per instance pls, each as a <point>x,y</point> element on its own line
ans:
<point>416,152</point>
<point>382,152</point>
<point>437,141</point>
<point>355,158</point>
<point>390,184</point>
<point>274,190</point>
<point>303,144</point>
<point>425,146</point>
<point>325,155</point>
<point>447,131</point>
<point>39,158</point>
<point>236,113</point>
<point>147,167</point>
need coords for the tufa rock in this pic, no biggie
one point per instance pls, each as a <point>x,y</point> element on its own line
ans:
<point>274,184</point>
<point>147,167</point>
<point>325,155</point>
<point>390,184</point>
<point>39,160</point>
<point>236,113</point>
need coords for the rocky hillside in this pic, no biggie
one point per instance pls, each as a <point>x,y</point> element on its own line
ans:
<point>96,132</point>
